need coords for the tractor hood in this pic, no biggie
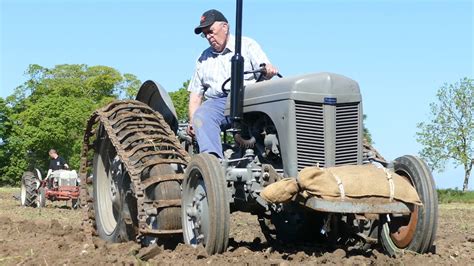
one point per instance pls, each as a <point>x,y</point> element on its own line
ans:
<point>313,87</point>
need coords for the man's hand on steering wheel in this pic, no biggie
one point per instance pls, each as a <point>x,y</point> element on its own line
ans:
<point>270,70</point>
<point>190,130</point>
<point>265,72</point>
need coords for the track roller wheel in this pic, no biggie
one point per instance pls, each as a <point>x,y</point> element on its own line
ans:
<point>205,209</point>
<point>168,218</point>
<point>137,171</point>
<point>415,232</point>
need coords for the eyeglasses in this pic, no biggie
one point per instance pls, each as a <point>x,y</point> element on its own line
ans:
<point>211,31</point>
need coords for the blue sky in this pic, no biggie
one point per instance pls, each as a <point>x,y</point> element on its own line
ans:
<point>400,52</point>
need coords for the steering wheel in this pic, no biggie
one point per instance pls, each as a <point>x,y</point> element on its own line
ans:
<point>261,70</point>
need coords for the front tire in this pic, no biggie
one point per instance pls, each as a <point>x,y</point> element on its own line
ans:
<point>417,231</point>
<point>75,203</point>
<point>41,197</point>
<point>205,209</point>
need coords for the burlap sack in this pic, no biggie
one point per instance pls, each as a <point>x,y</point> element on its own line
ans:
<point>281,191</point>
<point>358,181</point>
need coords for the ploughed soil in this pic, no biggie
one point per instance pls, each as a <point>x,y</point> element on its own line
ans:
<point>53,236</point>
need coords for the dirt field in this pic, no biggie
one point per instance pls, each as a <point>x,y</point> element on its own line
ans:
<point>52,236</point>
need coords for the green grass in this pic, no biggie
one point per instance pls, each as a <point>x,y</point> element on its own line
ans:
<point>455,196</point>
<point>10,189</point>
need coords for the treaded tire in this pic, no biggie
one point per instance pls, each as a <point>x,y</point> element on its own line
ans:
<point>28,193</point>
<point>417,231</point>
<point>205,204</point>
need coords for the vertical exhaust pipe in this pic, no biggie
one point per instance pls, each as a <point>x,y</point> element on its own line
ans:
<point>237,73</point>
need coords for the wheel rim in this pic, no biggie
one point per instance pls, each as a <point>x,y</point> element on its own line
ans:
<point>196,209</point>
<point>23,194</point>
<point>38,174</point>
<point>108,196</point>
<point>402,229</point>
<point>41,200</point>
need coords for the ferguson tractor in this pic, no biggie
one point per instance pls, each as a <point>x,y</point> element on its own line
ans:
<point>149,186</point>
<point>60,185</point>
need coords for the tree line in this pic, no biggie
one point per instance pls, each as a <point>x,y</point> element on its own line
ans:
<point>50,108</point>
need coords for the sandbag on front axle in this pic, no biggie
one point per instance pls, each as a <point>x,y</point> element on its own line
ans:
<point>281,191</point>
<point>357,182</point>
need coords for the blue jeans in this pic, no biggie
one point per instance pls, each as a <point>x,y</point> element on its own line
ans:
<point>207,122</point>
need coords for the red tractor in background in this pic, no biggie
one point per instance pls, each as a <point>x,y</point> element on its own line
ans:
<point>60,185</point>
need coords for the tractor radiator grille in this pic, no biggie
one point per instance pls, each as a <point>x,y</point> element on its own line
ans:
<point>309,134</point>
<point>347,133</point>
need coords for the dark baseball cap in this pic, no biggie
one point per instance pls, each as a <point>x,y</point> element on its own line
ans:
<point>208,18</point>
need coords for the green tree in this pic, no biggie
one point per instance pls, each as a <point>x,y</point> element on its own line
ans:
<point>180,100</point>
<point>130,86</point>
<point>4,118</point>
<point>4,129</point>
<point>450,133</point>
<point>367,135</point>
<point>50,111</point>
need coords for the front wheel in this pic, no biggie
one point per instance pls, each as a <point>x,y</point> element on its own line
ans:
<point>75,203</point>
<point>41,197</point>
<point>205,208</point>
<point>417,231</point>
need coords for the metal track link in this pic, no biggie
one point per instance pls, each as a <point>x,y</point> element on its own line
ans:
<point>142,139</point>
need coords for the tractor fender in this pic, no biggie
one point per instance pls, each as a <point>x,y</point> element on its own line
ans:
<point>38,174</point>
<point>155,96</point>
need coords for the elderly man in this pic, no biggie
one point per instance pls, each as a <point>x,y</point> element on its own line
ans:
<point>213,67</point>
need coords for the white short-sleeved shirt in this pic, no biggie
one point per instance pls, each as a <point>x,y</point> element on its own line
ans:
<point>213,68</point>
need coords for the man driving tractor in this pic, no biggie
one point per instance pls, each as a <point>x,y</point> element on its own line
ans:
<point>213,67</point>
<point>56,163</point>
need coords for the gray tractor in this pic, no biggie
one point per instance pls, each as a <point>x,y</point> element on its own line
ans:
<point>149,185</point>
